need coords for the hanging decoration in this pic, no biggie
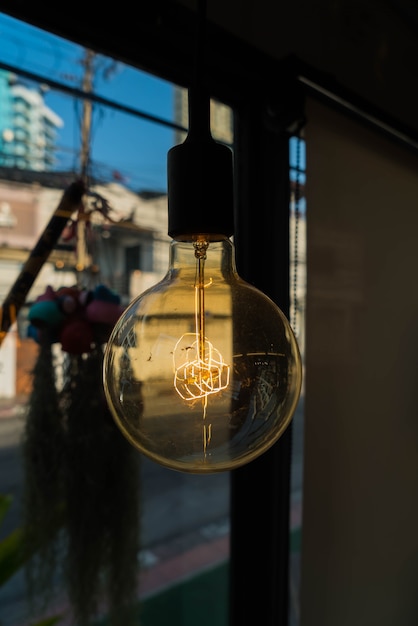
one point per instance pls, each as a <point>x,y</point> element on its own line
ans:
<point>202,372</point>
<point>81,499</point>
<point>70,203</point>
<point>76,318</point>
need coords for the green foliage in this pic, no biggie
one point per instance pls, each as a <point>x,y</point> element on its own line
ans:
<point>49,621</point>
<point>5,502</point>
<point>12,555</point>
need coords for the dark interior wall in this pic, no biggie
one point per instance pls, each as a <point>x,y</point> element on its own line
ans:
<point>370,47</point>
<point>359,561</point>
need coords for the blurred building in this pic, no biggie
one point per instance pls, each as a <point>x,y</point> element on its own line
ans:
<point>127,251</point>
<point>28,128</point>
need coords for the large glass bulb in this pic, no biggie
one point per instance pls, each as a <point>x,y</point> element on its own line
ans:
<point>202,372</point>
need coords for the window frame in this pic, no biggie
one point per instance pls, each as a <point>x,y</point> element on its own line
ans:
<point>160,42</point>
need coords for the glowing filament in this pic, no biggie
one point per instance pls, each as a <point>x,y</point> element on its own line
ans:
<point>196,377</point>
<point>199,368</point>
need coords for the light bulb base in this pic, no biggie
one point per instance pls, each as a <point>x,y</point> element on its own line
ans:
<point>200,188</point>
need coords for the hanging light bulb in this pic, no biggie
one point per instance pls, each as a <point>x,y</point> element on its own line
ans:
<point>202,372</point>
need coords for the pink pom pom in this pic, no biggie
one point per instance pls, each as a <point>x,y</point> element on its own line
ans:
<point>102,312</point>
<point>76,337</point>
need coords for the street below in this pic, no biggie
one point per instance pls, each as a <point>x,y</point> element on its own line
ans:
<point>178,511</point>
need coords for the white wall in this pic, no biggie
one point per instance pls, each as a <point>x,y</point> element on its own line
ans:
<point>8,365</point>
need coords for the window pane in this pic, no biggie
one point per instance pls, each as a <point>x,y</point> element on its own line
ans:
<point>180,521</point>
<point>297,316</point>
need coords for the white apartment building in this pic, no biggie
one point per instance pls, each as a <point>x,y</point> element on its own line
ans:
<point>28,128</point>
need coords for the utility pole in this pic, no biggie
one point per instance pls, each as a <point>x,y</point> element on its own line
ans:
<point>87,86</point>
<point>86,119</point>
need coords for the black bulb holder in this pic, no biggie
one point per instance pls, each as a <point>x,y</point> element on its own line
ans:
<point>200,178</point>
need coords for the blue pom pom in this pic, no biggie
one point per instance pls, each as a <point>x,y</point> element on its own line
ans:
<point>33,333</point>
<point>45,313</point>
<point>103,293</point>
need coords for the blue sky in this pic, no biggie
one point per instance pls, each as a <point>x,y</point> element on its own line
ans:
<point>136,148</point>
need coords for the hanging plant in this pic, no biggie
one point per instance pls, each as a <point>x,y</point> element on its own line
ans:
<point>43,454</point>
<point>82,476</point>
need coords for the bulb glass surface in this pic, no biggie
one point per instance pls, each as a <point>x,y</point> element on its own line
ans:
<point>202,372</point>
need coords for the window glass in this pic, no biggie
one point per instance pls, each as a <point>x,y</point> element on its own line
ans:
<point>107,526</point>
<point>297,160</point>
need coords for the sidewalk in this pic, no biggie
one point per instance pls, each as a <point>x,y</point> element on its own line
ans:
<point>13,407</point>
<point>165,564</point>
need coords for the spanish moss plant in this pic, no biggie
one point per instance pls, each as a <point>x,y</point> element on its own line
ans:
<point>43,463</point>
<point>102,486</point>
<point>81,473</point>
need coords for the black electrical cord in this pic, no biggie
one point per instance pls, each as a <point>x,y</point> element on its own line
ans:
<point>200,173</point>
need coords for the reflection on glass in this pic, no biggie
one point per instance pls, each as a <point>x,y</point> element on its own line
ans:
<point>202,372</point>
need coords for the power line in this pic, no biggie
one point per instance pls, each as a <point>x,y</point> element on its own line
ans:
<point>80,93</point>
